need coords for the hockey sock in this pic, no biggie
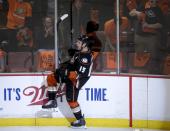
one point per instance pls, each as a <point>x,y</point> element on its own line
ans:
<point>51,95</point>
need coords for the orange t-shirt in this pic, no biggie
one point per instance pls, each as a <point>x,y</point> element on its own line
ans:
<point>110,28</point>
<point>17,13</point>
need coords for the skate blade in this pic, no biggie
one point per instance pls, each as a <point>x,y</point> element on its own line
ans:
<point>80,127</point>
<point>50,109</point>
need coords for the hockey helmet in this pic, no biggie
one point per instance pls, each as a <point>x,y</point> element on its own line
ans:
<point>85,40</point>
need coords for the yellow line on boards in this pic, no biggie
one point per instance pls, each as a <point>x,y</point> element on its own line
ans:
<point>91,122</point>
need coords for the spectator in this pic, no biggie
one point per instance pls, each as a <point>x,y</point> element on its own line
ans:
<point>94,14</point>
<point>39,11</point>
<point>19,15</point>
<point>25,38</point>
<point>101,44</point>
<point>110,26</point>
<point>147,36</point>
<point>44,37</point>
<point>91,29</point>
<point>3,12</point>
<point>79,17</point>
<point>165,7</point>
<point>111,30</point>
<point>19,12</point>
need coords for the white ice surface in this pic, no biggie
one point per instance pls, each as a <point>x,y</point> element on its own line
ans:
<point>58,128</point>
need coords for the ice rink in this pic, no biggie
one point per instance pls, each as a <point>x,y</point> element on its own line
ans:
<point>58,128</point>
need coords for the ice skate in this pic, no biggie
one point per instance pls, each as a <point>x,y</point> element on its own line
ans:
<point>50,104</point>
<point>79,124</point>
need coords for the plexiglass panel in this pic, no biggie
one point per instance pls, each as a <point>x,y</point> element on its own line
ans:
<point>141,34</point>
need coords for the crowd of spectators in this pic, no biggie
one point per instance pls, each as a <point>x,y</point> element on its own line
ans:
<point>144,29</point>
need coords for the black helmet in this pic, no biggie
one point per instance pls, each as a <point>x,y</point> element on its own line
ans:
<point>86,40</point>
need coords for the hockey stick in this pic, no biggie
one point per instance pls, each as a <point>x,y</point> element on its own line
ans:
<point>62,18</point>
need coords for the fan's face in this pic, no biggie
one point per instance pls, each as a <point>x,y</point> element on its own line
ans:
<point>48,22</point>
<point>153,2</point>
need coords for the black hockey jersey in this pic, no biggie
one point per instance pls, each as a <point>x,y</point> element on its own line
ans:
<point>82,63</point>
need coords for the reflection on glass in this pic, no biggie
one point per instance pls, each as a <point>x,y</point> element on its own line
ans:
<point>144,33</point>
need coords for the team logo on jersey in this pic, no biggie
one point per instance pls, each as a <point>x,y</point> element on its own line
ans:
<point>151,14</point>
<point>84,60</point>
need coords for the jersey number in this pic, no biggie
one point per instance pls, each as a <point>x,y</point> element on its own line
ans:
<point>82,69</point>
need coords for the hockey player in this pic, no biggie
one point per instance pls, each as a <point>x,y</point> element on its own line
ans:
<point>81,64</point>
<point>75,75</point>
